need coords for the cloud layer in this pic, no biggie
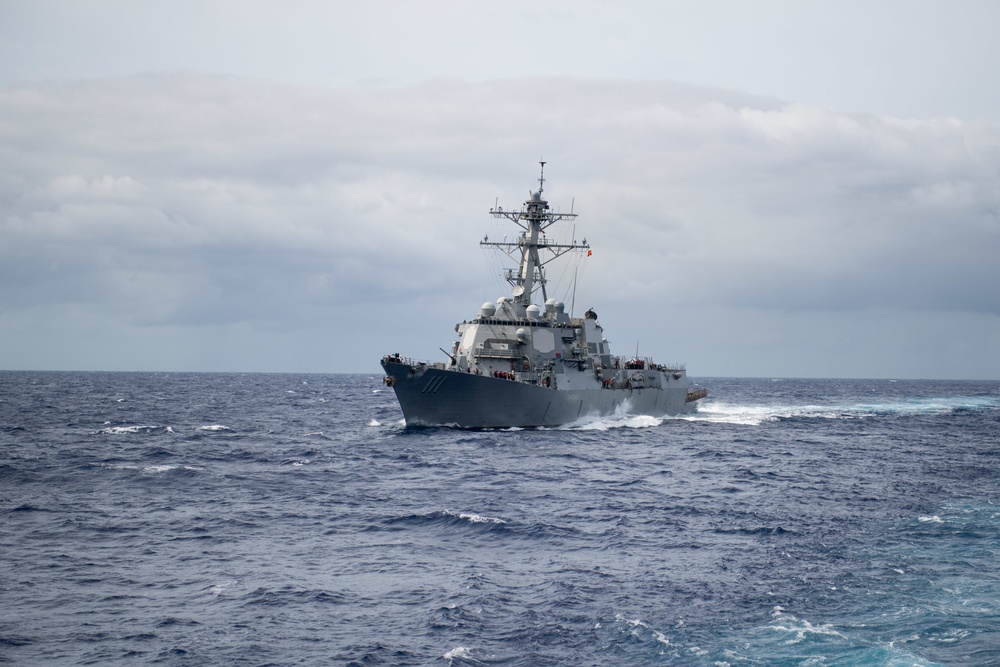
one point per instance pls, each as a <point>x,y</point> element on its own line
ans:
<point>240,224</point>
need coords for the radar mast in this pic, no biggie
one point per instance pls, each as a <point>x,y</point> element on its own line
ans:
<point>533,218</point>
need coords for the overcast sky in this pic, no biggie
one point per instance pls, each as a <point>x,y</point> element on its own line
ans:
<point>782,189</point>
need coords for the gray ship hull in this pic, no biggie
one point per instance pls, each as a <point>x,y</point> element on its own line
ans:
<point>432,396</point>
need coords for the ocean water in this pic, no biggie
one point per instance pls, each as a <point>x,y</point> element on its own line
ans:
<point>242,519</point>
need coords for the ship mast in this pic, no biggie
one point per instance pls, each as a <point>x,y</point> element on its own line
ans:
<point>534,218</point>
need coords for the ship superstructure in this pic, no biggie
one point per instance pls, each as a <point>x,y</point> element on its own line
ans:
<point>519,364</point>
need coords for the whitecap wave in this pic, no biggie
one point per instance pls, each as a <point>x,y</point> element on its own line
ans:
<point>158,469</point>
<point>219,589</point>
<point>214,427</point>
<point>129,430</point>
<point>477,518</point>
<point>459,652</point>
<point>639,628</point>
<point>374,422</point>
<point>117,466</point>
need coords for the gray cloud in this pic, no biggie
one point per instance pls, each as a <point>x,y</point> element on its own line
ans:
<point>184,209</point>
<point>908,59</point>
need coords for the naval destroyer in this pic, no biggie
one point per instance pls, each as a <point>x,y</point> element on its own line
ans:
<point>519,364</point>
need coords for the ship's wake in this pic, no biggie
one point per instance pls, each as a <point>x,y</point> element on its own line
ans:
<point>754,415</point>
<point>722,412</point>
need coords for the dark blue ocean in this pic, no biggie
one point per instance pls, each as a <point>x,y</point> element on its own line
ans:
<point>245,519</point>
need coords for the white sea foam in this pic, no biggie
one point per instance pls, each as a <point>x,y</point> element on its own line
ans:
<point>214,427</point>
<point>930,519</point>
<point>636,625</point>
<point>459,652</point>
<point>479,518</point>
<point>754,415</point>
<point>219,589</point>
<point>120,430</point>
<point>157,469</point>
<point>127,430</point>
<point>620,618</point>
<point>374,422</point>
<point>641,421</point>
<point>724,413</point>
<point>637,628</point>
<point>800,628</point>
<point>612,422</point>
<point>952,636</point>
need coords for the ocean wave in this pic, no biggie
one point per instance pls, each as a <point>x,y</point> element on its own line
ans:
<point>479,518</point>
<point>167,468</point>
<point>457,653</point>
<point>156,469</point>
<point>635,629</point>
<point>132,430</point>
<point>283,596</point>
<point>220,588</point>
<point>449,518</point>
